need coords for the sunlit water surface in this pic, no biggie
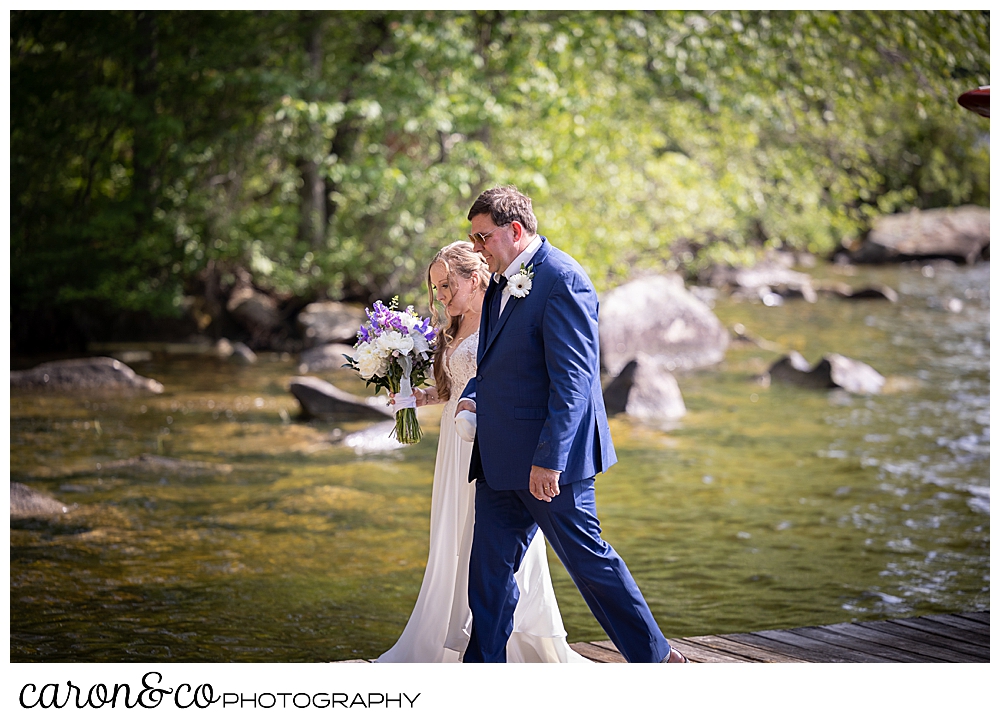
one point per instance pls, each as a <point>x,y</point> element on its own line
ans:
<point>766,507</point>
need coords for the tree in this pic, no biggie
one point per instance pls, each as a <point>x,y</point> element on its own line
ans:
<point>158,157</point>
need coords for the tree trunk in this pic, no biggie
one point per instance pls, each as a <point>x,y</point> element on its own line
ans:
<point>144,146</point>
<point>313,198</point>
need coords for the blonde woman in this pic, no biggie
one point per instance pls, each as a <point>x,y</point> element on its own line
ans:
<point>439,626</point>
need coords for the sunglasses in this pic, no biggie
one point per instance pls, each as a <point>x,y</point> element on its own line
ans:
<point>480,238</point>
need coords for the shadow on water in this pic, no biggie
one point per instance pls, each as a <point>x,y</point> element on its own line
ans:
<point>272,541</point>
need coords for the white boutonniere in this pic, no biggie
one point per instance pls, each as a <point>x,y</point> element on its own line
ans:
<point>520,283</point>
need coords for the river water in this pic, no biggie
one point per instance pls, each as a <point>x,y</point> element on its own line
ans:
<point>765,507</point>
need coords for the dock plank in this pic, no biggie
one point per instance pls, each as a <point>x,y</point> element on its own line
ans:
<point>694,651</point>
<point>598,653</point>
<point>875,652</point>
<point>956,637</point>
<point>903,651</point>
<point>948,631</point>
<point>794,649</point>
<point>941,647</point>
<point>747,653</point>
<point>961,623</point>
<point>827,649</point>
<point>982,616</point>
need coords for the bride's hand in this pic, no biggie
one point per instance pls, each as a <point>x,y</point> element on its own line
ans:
<point>419,394</point>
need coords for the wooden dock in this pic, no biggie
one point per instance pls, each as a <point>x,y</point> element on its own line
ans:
<point>953,638</point>
<point>957,638</point>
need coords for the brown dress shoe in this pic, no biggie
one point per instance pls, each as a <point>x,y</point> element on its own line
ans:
<point>675,656</point>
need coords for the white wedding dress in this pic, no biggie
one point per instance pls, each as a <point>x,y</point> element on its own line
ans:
<point>439,626</point>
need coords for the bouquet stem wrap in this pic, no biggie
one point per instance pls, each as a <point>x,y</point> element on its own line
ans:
<point>407,429</point>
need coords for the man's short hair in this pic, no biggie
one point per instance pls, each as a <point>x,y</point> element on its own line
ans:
<point>505,204</point>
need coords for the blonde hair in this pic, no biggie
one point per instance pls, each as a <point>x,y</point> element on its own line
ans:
<point>459,260</point>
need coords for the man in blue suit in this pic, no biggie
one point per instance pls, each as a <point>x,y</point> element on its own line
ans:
<point>542,436</point>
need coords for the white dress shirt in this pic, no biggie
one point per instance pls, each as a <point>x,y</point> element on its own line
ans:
<point>515,266</point>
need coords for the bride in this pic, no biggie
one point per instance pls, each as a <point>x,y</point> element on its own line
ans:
<point>439,626</point>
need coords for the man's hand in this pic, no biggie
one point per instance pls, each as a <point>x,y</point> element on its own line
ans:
<point>544,483</point>
<point>467,405</point>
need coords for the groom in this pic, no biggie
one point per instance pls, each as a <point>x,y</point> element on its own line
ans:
<point>542,435</point>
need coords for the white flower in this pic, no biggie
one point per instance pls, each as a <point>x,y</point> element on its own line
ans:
<point>392,341</point>
<point>370,363</point>
<point>408,319</point>
<point>520,283</point>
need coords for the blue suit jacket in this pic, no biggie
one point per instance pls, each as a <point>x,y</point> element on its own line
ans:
<point>538,384</point>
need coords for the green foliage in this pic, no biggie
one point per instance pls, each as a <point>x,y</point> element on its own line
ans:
<point>332,153</point>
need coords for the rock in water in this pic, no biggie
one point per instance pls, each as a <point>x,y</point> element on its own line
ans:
<point>833,370</point>
<point>327,356</point>
<point>27,502</point>
<point>763,280</point>
<point>645,390</point>
<point>243,354</point>
<point>320,399</point>
<point>223,348</point>
<point>962,234</point>
<point>325,322</point>
<point>84,374</point>
<point>658,317</point>
<point>839,288</point>
<point>795,370</point>
<point>852,375</point>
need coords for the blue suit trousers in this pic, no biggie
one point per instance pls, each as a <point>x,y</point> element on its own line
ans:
<point>506,521</point>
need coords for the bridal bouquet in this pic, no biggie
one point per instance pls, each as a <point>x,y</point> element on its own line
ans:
<point>394,351</point>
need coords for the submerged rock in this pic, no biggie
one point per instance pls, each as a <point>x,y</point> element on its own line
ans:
<point>844,291</point>
<point>321,400</point>
<point>28,502</point>
<point>645,390</point>
<point>658,317</point>
<point>155,463</point>
<point>961,234</point>
<point>84,374</point>
<point>832,371</point>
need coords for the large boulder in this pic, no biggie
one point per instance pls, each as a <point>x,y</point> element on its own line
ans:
<point>27,502</point>
<point>327,356</point>
<point>645,390</point>
<point>93,373</point>
<point>324,322</point>
<point>657,316</point>
<point>256,312</point>
<point>321,400</point>
<point>832,371</point>
<point>961,234</point>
